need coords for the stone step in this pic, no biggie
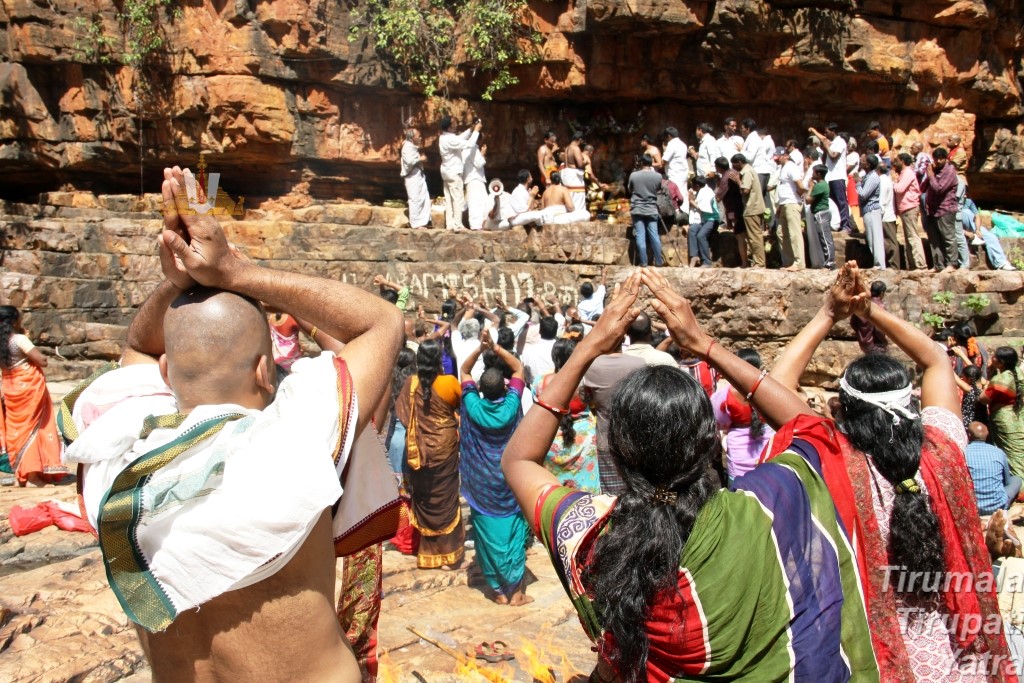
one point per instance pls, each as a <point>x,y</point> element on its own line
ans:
<point>602,243</point>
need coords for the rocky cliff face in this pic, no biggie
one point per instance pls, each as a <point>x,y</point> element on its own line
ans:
<point>285,103</point>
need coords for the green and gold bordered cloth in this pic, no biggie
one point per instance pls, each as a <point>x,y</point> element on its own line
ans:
<point>140,595</point>
<point>65,424</point>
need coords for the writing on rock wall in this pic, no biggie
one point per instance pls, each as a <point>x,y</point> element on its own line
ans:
<point>430,285</point>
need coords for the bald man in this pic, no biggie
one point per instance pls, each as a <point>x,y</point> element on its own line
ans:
<point>994,486</point>
<point>224,499</point>
<point>640,335</point>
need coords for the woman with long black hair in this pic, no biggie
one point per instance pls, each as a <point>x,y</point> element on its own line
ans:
<point>427,406</point>
<point>902,487</point>
<point>678,579</point>
<point>29,447</point>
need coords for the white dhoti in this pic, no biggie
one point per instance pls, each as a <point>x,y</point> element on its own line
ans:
<point>527,217</point>
<point>479,203</point>
<point>454,202</point>
<point>419,199</point>
<point>572,180</point>
<point>560,216</point>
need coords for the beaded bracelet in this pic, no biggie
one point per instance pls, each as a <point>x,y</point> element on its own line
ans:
<point>760,378</point>
<point>312,333</point>
<point>560,412</point>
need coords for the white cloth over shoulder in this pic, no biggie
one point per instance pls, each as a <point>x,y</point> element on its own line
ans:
<point>233,509</point>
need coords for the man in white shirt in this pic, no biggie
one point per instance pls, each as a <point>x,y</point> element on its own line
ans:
<point>640,343</point>
<point>730,143</point>
<point>501,208</point>
<point>415,180</point>
<point>795,155</point>
<point>708,151</point>
<point>474,180</point>
<point>452,147</point>
<point>676,168</point>
<point>524,197</point>
<point>751,144</point>
<point>790,190</point>
<point>592,303</point>
<point>537,352</point>
<point>835,164</point>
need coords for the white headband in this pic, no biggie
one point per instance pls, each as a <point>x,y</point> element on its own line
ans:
<point>892,402</point>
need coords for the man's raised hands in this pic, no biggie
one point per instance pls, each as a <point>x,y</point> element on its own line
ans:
<point>201,247</point>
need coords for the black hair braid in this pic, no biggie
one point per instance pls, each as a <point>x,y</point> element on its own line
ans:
<point>8,318</point>
<point>914,542</point>
<point>405,366</point>
<point>567,425</point>
<point>560,353</point>
<point>752,357</point>
<point>662,434</point>
<point>756,423</point>
<point>428,367</point>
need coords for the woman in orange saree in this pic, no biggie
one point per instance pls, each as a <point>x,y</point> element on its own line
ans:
<point>28,428</point>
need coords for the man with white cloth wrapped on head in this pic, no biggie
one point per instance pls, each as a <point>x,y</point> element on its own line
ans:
<point>210,482</point>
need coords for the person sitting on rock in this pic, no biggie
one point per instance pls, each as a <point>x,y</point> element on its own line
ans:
<point>970,219</point>
<point>224,502</point>
<point>557,204</point>
<point>994,486</point>
<point>524,202</point>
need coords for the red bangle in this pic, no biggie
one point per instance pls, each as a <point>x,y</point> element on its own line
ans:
<point>760,378</point>
<point>560,412</point>
<point>707,354</point>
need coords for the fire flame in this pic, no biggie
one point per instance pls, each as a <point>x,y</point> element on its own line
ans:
<point>542,664</point>
<point>386,671</point>
<point>500,674</point>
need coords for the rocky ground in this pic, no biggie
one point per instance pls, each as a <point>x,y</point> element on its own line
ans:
<point>59,622</point>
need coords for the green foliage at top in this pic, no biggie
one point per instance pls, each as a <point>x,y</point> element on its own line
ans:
<point>421,39</point>
<point>944,298</point>
<point>141,33</point>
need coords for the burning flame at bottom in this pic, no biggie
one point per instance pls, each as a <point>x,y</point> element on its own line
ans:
<point>541,664</point>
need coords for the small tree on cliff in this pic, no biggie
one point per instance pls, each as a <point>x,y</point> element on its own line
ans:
<point>427,42</point>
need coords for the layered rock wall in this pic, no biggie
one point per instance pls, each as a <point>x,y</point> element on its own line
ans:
<point>281,97</point>
<point>79,266</point>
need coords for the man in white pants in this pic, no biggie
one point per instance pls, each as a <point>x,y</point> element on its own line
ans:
<point>415,180</point>
<point>676,168</point>
<point>475,180</point>
<point>451,147</point>
<point>524,199</point>
<point>557,204</point>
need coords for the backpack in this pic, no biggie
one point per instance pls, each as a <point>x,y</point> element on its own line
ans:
<point>666,208</point>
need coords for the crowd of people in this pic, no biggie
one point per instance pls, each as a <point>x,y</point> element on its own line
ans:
<point>792,197</point>
<point>705,520</point>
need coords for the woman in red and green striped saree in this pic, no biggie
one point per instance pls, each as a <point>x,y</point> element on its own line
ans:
<point>678,579</point>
